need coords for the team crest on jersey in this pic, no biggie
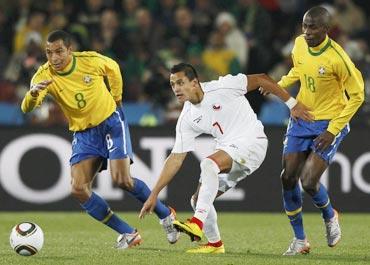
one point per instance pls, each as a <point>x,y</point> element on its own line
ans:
<point>87,79</point>
<point>321,70</point>
<point>216,107</point>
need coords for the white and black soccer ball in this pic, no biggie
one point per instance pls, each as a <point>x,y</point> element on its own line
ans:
<point>26,238</point>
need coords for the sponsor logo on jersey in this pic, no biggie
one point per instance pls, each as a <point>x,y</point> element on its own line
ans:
<point>87,79</point>
<point>197,120</point>
<point>216,106</point>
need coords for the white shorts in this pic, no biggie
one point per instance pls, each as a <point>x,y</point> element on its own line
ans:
<point>247,157</point>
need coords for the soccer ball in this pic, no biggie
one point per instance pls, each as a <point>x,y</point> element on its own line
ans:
<point>26,238</point>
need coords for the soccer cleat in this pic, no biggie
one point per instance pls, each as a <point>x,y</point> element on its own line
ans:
<point>298,246</point>
<point>333,232</point>
<point>192,229</point>
<point>207,249</point>
<point>128,240</point>
<point>167,223</point>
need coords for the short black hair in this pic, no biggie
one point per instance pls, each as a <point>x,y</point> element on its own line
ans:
<point>60,35</point>
<point>320,13</point>
<point>188,70</point>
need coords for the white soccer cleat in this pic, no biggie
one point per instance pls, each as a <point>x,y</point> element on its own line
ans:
<point>167,224</point>
<point>128,240</point>
<point>333,232</point>
<point>298,246</point>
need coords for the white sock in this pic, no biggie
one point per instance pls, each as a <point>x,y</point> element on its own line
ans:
<point>210,226</point>
<point>208,189</point>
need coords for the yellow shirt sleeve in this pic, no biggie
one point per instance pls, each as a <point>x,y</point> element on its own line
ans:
<point>353,83</point>
<point>293,75</point>
<point>111,70</point>
<point>29,102</point>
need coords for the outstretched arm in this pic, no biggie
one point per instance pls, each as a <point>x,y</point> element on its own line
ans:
<point>265,82</point>
<point>171,166</point>
<point>35,95</point>
<point>267,85</point>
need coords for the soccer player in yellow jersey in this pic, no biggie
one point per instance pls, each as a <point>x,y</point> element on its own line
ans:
<point>332,87</point>
<point>88,88</point>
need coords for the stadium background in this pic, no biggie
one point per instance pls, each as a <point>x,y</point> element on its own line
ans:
<point>146,38</point>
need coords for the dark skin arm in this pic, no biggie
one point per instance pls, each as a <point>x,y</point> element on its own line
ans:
<point>267,85</point>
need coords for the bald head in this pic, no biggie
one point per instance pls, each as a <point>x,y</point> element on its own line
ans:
<point>319,14</point>
<point>315,25</point>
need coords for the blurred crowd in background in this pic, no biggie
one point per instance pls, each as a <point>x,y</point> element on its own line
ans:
<point>147,37</point>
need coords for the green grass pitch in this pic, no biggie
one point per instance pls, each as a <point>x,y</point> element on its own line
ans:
<point>250,238</point>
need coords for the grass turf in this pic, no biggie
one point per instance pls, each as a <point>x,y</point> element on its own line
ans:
<point>250,238</point>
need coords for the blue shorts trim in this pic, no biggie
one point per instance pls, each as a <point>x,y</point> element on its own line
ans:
<point>109,140</point>
<point>300,137</point>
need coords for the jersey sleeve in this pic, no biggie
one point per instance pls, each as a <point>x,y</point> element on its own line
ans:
<point>238,83</point>
<point>185,134</point>
<point>111,70</point>
<point>353,83</point>
<point>293,75</point>
<point>29,102</point>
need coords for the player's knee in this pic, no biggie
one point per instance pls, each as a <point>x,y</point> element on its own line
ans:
<point>124,182</point>
<point>208,165</point>
<point>80,192</point>
<point>288,179</point>
<point>309,185</point>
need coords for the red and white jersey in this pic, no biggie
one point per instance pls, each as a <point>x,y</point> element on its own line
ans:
<point>224,113</point>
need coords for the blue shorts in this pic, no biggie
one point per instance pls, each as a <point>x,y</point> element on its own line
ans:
<point>300,135</point>
<point>109,140</point>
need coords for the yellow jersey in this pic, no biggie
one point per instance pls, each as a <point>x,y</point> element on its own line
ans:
<point>326,75</point>
<point>82,90</point>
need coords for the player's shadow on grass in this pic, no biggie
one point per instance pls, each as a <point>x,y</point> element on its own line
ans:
<point>341,258</point>
<point>169,250</point>
<point>60,258</point>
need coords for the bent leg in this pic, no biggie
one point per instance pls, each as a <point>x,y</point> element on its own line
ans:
<point>292,198</point>
<point>210,227</point>
<point>311,174</point>
<point>83,174</point>
<point>120,170</point>
<point>218,162</point>
<point>210,168</point>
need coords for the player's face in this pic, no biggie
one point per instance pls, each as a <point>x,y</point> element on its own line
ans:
<point>313,30</point>
<point>58,54</point>
<point>182,87</point>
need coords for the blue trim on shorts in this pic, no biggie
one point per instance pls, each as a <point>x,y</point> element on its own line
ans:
<point>109,140</point>
<point>300,137</point>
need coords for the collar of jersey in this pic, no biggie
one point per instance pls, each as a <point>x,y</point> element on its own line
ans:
<point>71,69</point>
<point>316,51</point>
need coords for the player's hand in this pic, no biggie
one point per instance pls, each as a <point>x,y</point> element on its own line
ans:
<point>263,91</point>
<point>324,140</point>
<point>302,112</point>
<point>148,206</point>
<point>36,88</point>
